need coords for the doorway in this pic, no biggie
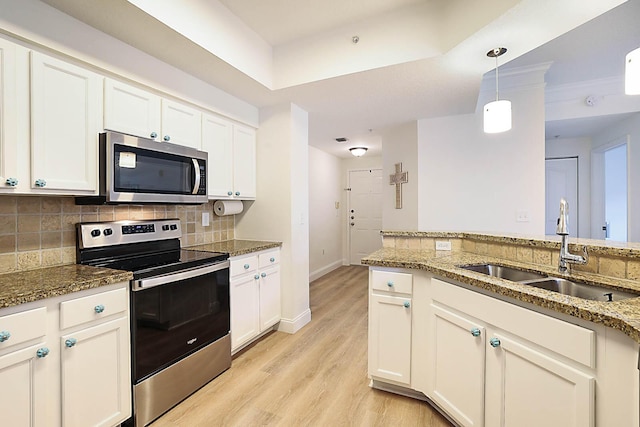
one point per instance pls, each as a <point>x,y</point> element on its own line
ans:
<point>364,219</point>
<point>561,181</point>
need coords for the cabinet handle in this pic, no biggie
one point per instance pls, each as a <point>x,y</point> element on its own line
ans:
<point>237,193</point>
<point>272,259</point>
<point>407,304</point>
<point>40,183</point>
<point>167,138</point>
<point>475,332</point>
<point>153,135</point>
<point>229,193</point>
<point>495,342</point>
<point>99,308</point>
<point>4,336</point>
<point>390,284</point>
<point>263,275</point>
<point>256,277</point>
<point>246,266</point>
<point>42,352</point>
<point>70,342</point>
<point>11,182</point>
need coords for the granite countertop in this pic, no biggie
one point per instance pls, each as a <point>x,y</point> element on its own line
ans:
<point>33,285</point>
<point>236,247</point>
<point>622,315</point>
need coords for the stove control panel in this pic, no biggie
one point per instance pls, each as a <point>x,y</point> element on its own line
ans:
<point>96,234</point>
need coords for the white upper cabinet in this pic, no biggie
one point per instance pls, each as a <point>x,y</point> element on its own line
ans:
<point>8,116</point>
<point>244,162</point>
<point>181,124</point>
<point>130,110</point>
<point>65,111</point>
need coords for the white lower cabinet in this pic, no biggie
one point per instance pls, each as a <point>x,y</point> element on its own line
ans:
<point>73,372</point>
<point>254,296</point>
<point>390,323</point>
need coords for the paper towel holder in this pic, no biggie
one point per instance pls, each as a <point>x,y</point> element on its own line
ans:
<point>228,207</point>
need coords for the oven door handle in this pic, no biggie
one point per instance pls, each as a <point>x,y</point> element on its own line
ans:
<point>196,182</point>
<point>141,284</point>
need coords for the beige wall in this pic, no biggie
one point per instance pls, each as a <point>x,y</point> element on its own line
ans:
<point>37,231</point>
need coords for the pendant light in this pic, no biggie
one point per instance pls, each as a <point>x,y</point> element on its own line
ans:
<point>497,114</point>
<point>632,73</point>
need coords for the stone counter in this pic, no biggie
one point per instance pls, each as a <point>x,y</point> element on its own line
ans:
<point>236,247</point>
<point>622,315</point>
<point>33,285</point>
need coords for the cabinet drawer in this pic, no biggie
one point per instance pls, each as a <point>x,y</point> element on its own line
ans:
<point>92,307</point>
<point>269,258</point>
<point>243,265</point>
<point>391,281</point>
<point>22,327</point>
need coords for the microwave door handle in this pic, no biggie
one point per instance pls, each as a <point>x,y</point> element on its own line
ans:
<point>196,184</point>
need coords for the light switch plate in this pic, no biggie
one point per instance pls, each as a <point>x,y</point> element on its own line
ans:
<point>205,219</point>
<point>443,246</point>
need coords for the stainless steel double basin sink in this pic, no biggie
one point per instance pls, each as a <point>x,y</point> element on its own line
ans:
<point>555,284</point>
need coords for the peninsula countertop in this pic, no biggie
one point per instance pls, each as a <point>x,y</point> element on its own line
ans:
<point>622,315</point>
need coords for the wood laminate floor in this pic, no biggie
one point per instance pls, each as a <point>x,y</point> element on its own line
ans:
<point>315,377</point>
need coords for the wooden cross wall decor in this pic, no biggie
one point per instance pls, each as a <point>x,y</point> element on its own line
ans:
<point>398,179</point>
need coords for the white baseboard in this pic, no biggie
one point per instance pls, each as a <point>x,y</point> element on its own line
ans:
<point>291,326</point>
<point>324,270</point>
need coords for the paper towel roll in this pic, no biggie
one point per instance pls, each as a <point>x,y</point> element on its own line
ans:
<point>227,207</point>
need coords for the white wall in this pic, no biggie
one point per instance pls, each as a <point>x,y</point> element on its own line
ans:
<point>400,145</point>
<point>281,210</point>
<point>472,181</point>
<point>325,220</point>
<point>581,148</point>
<point>631,127</point>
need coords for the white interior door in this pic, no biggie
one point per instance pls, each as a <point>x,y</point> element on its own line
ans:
<point>615,193</point>
<point>561,180</point>
<point>365,213</point>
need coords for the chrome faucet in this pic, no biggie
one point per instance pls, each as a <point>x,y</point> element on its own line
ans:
<point>562,229</point>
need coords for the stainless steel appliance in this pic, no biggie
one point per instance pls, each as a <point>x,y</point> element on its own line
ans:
<point>179,308</point>
<point>141,170</point>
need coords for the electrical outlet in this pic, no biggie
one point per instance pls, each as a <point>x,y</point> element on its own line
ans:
<point>443,246</point>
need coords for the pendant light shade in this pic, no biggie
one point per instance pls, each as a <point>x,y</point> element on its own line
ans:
<point>632,73</point>
<point>497,114</point>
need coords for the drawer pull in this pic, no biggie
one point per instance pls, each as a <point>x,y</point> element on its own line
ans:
<point>42,352</point>
<point>390,284</point>
<point>407,304</point>
<point>70,342</point>
<point>99,308</point>
<point>256,277</point>
<point>475,332</point>
<point>246,266</point>
<point>272,259</point>
<point>4,336</point>
<point>495,342</point>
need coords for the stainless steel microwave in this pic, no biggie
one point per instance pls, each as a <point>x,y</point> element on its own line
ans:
<point>141,170</point>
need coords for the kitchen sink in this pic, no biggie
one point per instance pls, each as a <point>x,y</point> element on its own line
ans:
<point>503,272</point>
<point>580,290</point>
<point>554,284</point>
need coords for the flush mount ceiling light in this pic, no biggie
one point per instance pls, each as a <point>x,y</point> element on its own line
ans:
<point>497,114</point>
<point>358,151</point>
<point>632,73</point>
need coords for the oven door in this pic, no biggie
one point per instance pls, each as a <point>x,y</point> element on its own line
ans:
<point>175,315</point>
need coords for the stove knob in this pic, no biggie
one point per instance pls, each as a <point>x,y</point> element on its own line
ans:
<point>95,233</point>
<point>174,227</point>
<point>107,232</point>
<point>165,227</point>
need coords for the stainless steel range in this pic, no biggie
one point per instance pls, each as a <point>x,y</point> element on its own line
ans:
<point>179,308</point>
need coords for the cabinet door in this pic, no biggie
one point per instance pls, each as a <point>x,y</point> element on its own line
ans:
<point>23,392</point>
<point>244,162</point>
<point>95,374</point>
<point>217,140</point>
<point>456,365</point>
<point>527,387</point>
<point>390,338</point>
<point>65,105</point>
<point>245,306</point>
<point>181,124</point>
<point>8,116</point>
<point>130,110</point>
<point>269,297</point>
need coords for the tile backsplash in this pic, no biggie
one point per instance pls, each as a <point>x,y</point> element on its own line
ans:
<point>39,231</point>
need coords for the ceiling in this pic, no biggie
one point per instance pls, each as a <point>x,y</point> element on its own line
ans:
<point>414,58</point>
